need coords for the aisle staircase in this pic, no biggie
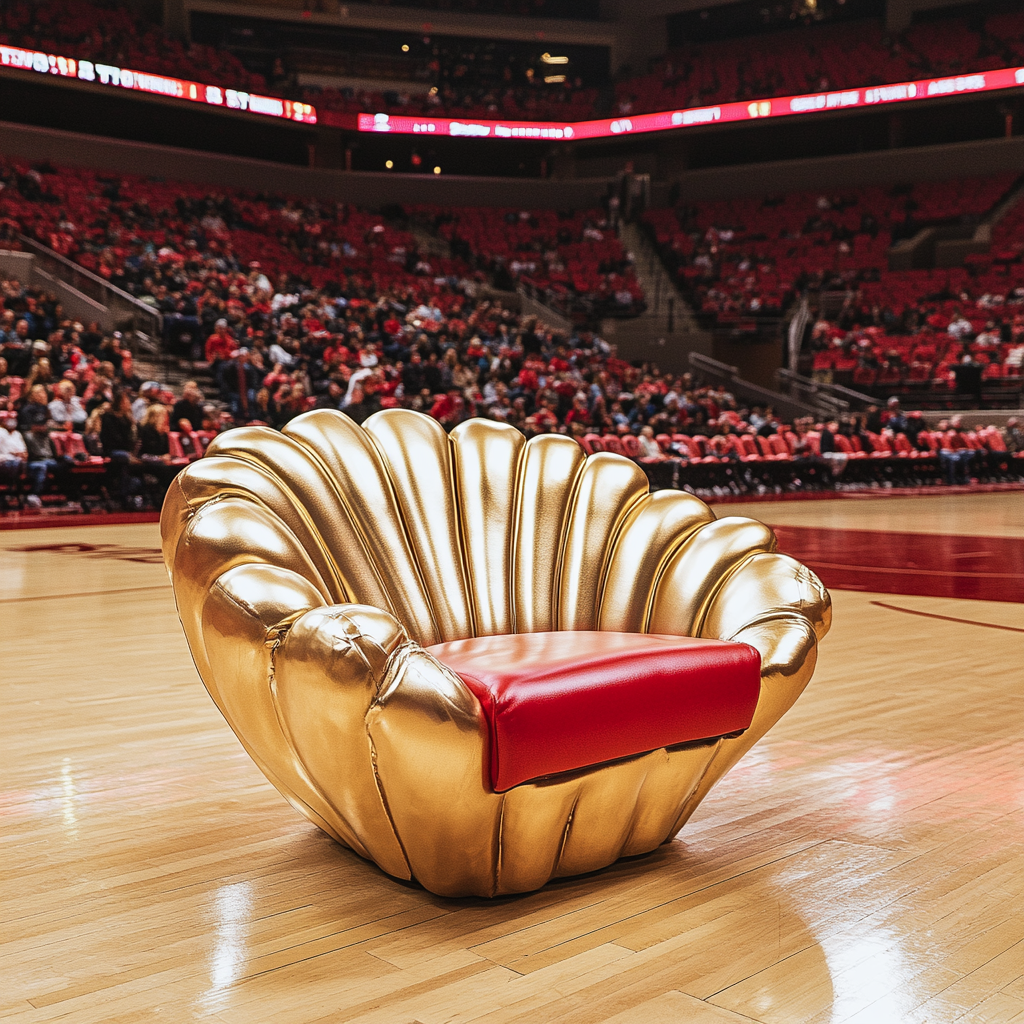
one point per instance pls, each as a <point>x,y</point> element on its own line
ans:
<point>667,331</point>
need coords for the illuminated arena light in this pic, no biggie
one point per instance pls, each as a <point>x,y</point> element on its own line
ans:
<point>158,85</point>
<point>667,120</point>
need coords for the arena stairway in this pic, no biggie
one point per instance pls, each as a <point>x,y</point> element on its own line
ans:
<point>666,332</point>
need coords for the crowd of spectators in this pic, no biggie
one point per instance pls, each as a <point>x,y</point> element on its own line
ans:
<point>77,423</point>
<point>341,310</point>
<point>458,82</point>
<point>161,240</point>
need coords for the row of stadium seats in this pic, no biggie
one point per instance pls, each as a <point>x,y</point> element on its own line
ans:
<point>745,462</point>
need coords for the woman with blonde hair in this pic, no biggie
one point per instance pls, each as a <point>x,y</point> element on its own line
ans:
<point>91,431</point>
<point>41,373</point>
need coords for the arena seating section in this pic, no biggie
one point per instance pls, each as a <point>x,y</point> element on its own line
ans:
<point>740,261</point>
<point>96,31</point>
<point>339,308</point>
<point>121,226</point>
<point>821,57</point>
<point>806,59</point>
<point>572,261</point>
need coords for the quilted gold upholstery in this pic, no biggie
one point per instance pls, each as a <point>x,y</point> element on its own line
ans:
<point>311,567</point>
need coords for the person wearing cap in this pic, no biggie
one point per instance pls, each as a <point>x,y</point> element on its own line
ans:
<point>148,394</point>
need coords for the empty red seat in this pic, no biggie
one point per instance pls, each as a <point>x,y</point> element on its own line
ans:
<point>555,702</point>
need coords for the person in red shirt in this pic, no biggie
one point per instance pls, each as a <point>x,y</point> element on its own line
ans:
<point>955,454</point>
<point>220,345</point>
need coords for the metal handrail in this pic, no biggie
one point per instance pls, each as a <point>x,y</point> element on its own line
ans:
<point>839,395</point>
<point>748,389</point>
<point>95,286</point>
<point>709,365</point>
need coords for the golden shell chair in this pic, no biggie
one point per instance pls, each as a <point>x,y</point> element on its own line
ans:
<point>312,567</point>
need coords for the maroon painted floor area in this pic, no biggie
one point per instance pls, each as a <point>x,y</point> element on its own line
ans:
<point>925,565</point>
<point>48,520</point>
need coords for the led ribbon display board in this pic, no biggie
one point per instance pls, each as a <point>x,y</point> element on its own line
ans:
<point>399,124</point>
<point>157,85</point>
<point>666,120</point>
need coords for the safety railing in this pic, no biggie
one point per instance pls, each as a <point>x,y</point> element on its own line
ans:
<point>718,372</point>
<point>829,397</point>
<point>132,312</point>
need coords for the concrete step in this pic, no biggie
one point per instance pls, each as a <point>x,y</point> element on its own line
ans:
<point>664,301</point>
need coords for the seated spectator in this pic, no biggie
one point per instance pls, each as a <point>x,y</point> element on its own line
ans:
<point>836,459</point>
<point>1013,435</point>
<point>955,454</point>
<point>66,410</point>
<point>220,345</point>
<point>238,380</point>
<point>13,453</point>
<point>649,447</point>
<point>149,394</point>
<point>35,410</point>
<point>17,349</point>
<point>360,406</point>
<point>42,459</point>
<point>118,439</point>
<point>188,409</point>
<point>155,451</point>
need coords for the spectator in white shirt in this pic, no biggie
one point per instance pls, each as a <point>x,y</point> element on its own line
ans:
<point>959,327</point>
<point>66,409</point>
<point>13,453</point>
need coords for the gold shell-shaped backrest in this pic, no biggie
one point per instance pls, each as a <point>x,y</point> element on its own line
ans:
<point>471,533</point>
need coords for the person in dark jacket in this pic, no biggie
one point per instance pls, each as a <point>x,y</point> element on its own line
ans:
<point>155,452</point>
<point>117,437</point>
<point>189,407</point>
<point>239,380</point>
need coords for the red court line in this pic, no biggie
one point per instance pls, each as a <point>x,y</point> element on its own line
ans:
<point>946,618</point>
<point>920,564</point>
<point>16,521</point>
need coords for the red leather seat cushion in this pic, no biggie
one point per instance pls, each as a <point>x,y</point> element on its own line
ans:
<point>559,701</point>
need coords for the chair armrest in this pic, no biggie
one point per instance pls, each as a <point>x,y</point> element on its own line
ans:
<point>779,607</point>
<point>294,678</point>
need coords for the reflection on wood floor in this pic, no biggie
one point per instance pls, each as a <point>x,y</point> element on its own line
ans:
<point>864,863</point>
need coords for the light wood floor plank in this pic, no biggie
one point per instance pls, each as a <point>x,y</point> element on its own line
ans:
<point>863,865</point>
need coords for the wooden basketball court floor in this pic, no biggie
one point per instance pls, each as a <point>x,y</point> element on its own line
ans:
<point>864,863</point>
